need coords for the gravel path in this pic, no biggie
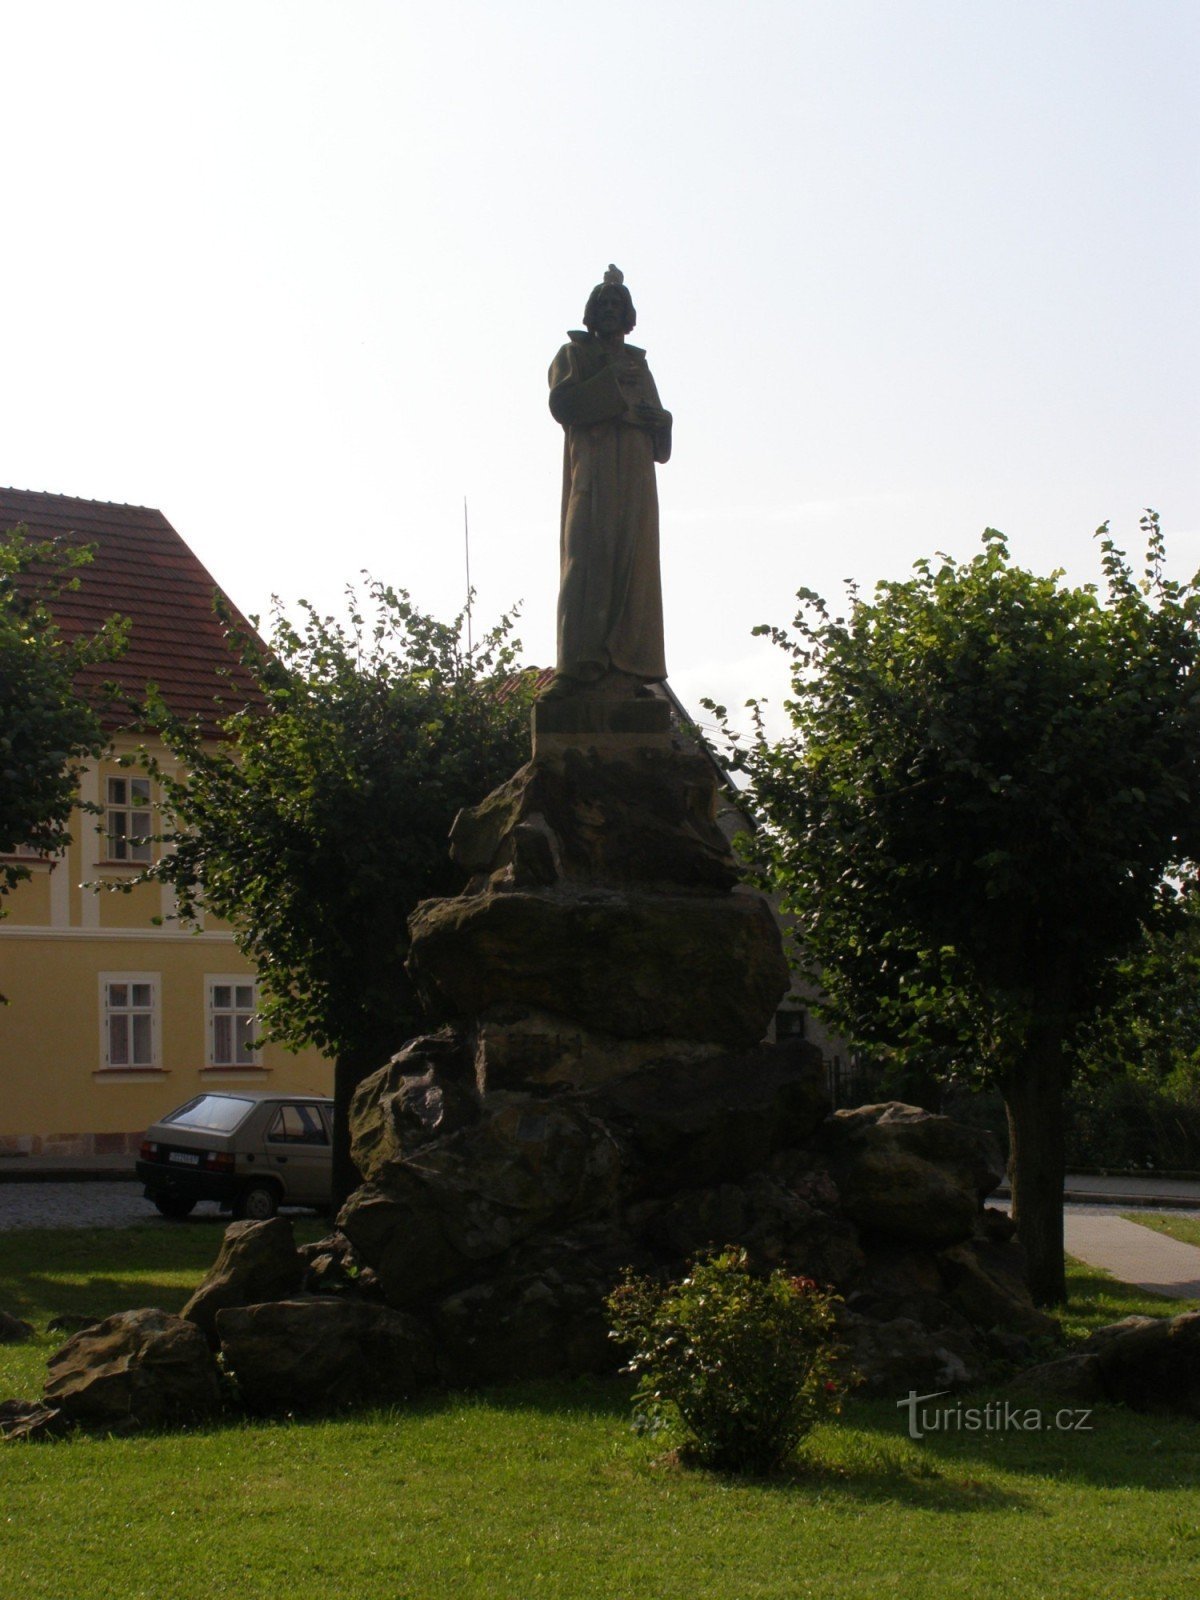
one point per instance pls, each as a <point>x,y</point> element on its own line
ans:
<point>119,1204</point>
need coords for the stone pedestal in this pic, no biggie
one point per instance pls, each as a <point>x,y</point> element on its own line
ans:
<point>607,726</point>
<point>603,911</point>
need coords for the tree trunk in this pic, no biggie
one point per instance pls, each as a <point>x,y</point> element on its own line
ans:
<point>1033,1098</point>
<point>350,1069</point>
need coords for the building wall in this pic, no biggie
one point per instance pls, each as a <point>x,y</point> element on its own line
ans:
<point>63,945</point>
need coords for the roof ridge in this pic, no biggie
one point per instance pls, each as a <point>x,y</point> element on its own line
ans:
<point>83,500</point>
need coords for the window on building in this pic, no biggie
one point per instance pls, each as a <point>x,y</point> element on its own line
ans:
<point>232,1022</point>
<point>790,1023</point>
<point>129,1022</point>
<point>127,819</point>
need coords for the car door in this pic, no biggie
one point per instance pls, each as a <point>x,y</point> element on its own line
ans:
<point>299,1153</point>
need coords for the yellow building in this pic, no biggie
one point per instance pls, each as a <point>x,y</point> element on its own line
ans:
<point>116,1012</point>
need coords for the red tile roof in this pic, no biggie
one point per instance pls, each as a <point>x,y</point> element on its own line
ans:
<point>143,570</point>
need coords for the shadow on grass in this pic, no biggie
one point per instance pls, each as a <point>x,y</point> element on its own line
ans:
<point>875,1474</point>
<point>839,1460</point>
<point>96,1271</point>
<point>1097,1298</point>
<point>1111,1447</point>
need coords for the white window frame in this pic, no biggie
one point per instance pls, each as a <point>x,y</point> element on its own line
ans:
<point>108,1010</point>
<point>121,844</point>
<point>233,980</point>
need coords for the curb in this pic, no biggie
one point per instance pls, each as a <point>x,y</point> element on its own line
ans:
<point>1144,1202</point>
<point>25,1174</point>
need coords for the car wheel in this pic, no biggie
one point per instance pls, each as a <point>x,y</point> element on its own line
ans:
<point>173,1206</point>
<point>258,1202</point>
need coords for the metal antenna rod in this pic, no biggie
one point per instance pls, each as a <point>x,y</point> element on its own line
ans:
<point>467,549</point>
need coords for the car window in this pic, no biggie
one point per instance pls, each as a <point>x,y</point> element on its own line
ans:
<point>298,1124</point>
<point>221,1113</point>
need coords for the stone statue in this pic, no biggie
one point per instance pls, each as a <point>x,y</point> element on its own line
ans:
<point>610,627</point>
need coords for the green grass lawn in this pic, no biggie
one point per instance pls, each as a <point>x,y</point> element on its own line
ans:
<point>542,1489</point>
<point>1185,1229</point>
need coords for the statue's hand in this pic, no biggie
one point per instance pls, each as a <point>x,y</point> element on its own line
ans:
<point>652,416</point>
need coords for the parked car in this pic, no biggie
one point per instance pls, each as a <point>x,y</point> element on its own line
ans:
<point>249,1150</point>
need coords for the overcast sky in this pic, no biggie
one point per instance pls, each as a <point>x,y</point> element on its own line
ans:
<point>294,272</point>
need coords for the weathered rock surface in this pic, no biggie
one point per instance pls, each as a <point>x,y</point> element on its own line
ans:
<point>542,1316</point>
<point>14,1330</point>
<point>424,1092</point>
<point>519,1047</point>
<point>466,1199</point>
<point>905,1173</point>
<point>257,1261</point>
<point>648,819</point>
<point>333,1266</point>
<point>1150,1363</point>
<point>323,1353</point>
<point>71,1322</point>
<point>774,1223</point>
<point>30,1419</point>
<point>1146,1363</point>
<point>137,1369</point>
<point>622,962</point>
<point>892,1355</point>
<point>682,1125</point>
<point>987,1282</point>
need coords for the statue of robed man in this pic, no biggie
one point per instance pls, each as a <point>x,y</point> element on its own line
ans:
<point>610,625</point>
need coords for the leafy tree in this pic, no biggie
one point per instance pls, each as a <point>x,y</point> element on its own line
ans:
<point>990,781</point>
<point>1149,1025</point>
<point>47,728</point>
<point>321,818</point>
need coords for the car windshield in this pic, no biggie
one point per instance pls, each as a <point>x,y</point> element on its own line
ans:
<point>220,1112</point>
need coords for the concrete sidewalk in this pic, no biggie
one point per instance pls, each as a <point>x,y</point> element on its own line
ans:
<point>1137,1255</point>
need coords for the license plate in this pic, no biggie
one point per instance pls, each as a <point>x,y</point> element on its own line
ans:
<point>183,1159</point>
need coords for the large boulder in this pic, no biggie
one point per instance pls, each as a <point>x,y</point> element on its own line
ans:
<point>682,1125</point>
<point>764,1215</point>
<point>1150,1363</point>
<point>987,1282</point>
<point>542,1315</point>
<point>426,1091</point>
<point>322,1354</point>
<point>647,819</point>
<point>137,1369</point>
<point>519,1047</point>
<point>1146,1363</point>
<point>893,1354</point>
<point>456,1204</point>
<point>257,1261</point>
<point>629,963</point>
<point>435,1215</point>
<point>908,1174</point>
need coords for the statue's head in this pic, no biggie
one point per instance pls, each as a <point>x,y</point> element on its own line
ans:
<point>608,300</point>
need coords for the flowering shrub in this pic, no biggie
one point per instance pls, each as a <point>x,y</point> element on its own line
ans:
<point>745,1362</point>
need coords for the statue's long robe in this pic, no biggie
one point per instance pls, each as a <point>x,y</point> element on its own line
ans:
<point>610,589</point>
